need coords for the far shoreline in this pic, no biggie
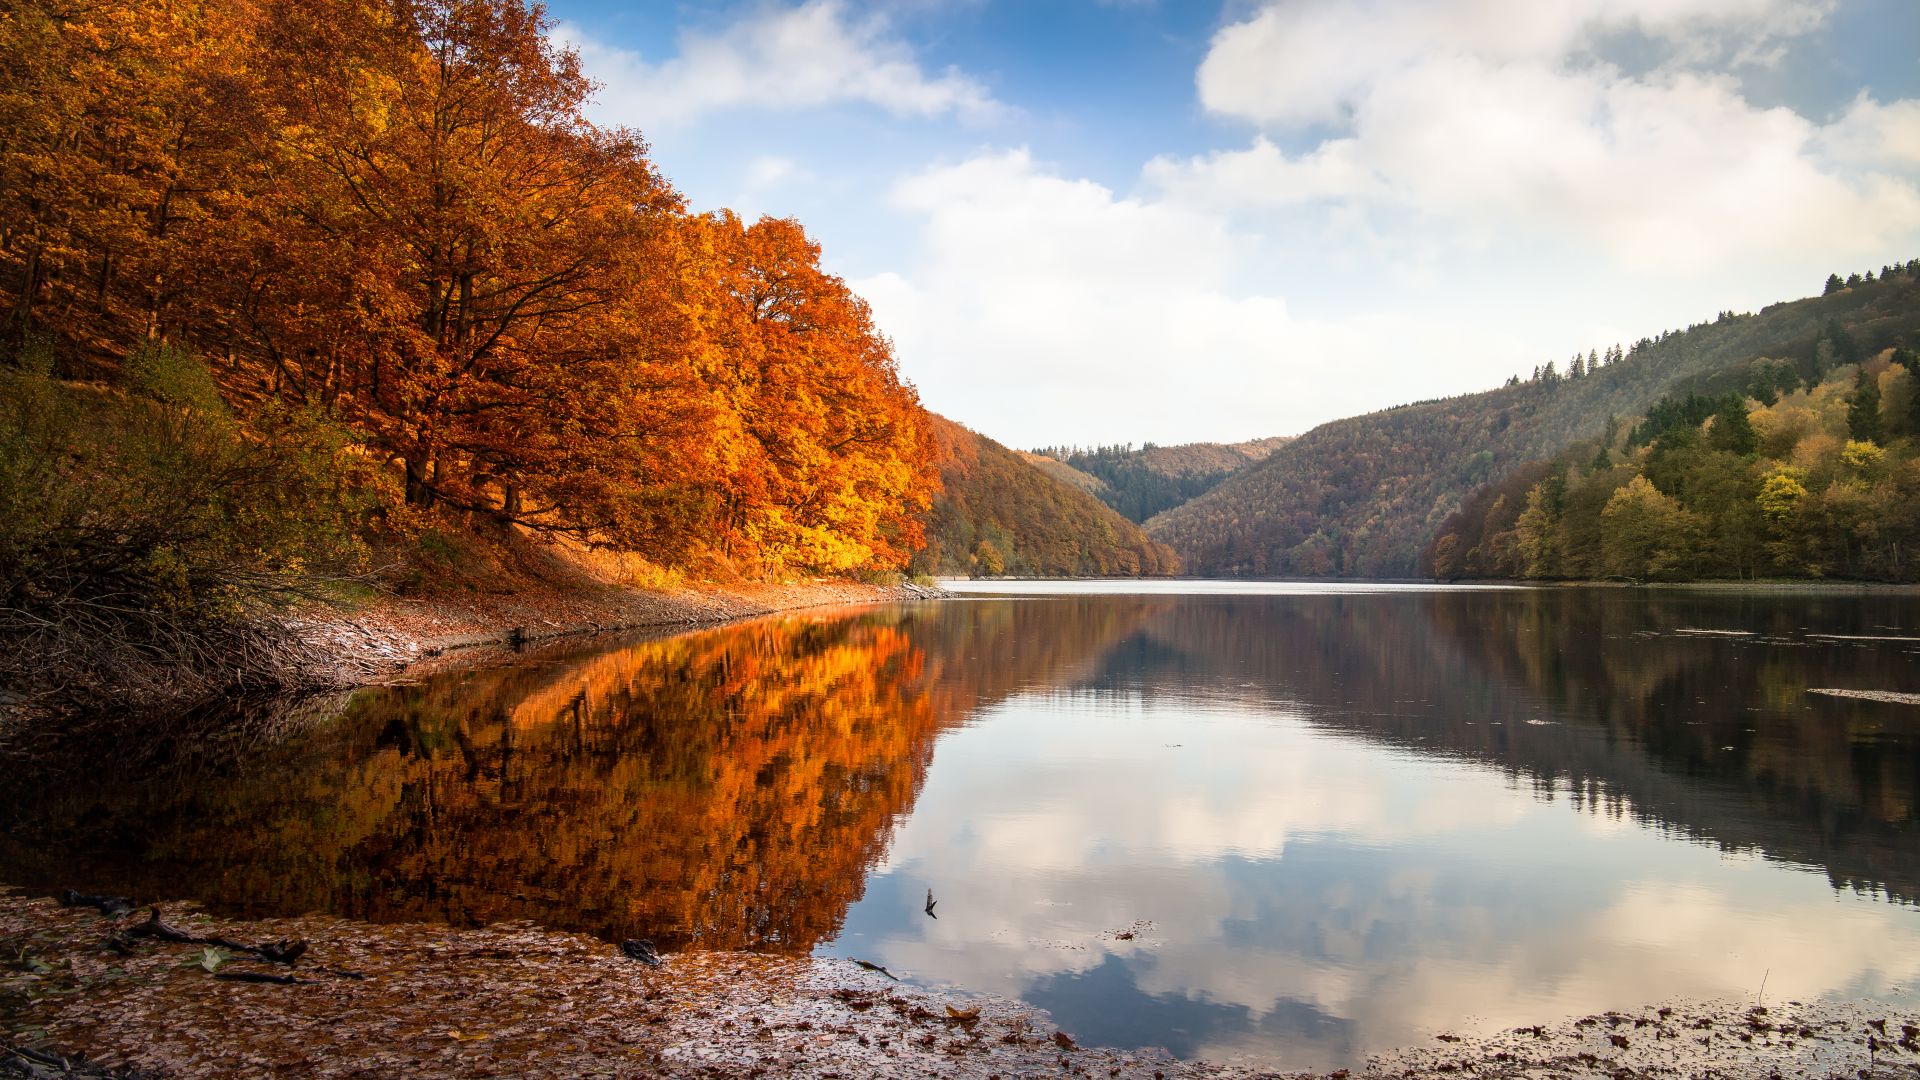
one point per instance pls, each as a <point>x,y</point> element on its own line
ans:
<point>1788,585</point>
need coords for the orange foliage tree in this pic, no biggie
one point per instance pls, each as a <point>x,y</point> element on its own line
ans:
<point>833,461</point>
<point>395,211</point>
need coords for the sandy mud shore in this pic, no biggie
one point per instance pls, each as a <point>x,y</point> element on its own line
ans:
<point>394,634</point>
<point>83,993</point>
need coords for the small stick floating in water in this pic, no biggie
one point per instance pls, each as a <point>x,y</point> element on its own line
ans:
<point>875,967</point>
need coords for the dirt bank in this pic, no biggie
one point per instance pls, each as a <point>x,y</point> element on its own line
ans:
<point>516,1000</point>
<point>392,635</point>
<point>333,647</point>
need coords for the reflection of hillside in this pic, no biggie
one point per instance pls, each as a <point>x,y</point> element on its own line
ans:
<point>727,788</point>
<point>1713,737</point>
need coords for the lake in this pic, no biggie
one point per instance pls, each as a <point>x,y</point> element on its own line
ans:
<point>1292,823</point>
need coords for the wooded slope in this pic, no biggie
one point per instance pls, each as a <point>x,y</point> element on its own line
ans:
<point>396,218</point>
<point>1140,483</point>
<point>999,514</point>
<point>1362,497</point>
<point>1816,480</point>
<point>1064,473</point>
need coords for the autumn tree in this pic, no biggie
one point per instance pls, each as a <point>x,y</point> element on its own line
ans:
<point>1646,534</point>
<point>1910,360</point>
<point>131,130</point>
<point>829,459</point>
<point>1537,527</point>
<point>484,237</point>
<point>393,215</point>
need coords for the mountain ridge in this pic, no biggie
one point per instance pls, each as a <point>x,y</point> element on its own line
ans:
<point>1361,496</point>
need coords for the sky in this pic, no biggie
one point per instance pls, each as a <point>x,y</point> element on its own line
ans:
<point>1088,222</point>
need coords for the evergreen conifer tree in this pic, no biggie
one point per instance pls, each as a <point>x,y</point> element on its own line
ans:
<point>1732,431</point>
<point>1863,409</point>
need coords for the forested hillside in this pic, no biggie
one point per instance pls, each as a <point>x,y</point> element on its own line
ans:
<point>1142,482</point>
<point>293,293</point>
<point>999,514</point>
<point>1818,480</point>
<point>1063,472</point>
<point>1363,497</point>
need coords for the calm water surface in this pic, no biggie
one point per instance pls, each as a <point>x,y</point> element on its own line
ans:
<point>1295,822</point>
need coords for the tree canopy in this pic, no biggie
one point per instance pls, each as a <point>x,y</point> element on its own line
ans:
<point>397,214</point>
<point>1783,488</point>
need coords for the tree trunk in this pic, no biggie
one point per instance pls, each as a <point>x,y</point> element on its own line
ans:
<point>101,283</point>
<point>419,492</point>
<point>30,282</point>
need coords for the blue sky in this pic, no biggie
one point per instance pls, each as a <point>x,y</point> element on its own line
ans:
<point>1100,221</point>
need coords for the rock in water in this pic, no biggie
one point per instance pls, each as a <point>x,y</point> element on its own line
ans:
<point>642,950</point>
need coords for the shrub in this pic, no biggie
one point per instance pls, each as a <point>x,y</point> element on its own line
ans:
<point>173,376</point>
<point>34,355</point>
<point>147,541</point>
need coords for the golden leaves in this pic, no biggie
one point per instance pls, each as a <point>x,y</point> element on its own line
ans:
<point>507,301</point>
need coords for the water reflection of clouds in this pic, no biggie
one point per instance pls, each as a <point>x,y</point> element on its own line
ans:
<point>1312,891</point>
<point>1185,785</point>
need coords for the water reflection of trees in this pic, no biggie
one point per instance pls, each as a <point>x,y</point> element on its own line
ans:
<point>1715,737</point>
<point>730,788</point>
<point>727,789</point>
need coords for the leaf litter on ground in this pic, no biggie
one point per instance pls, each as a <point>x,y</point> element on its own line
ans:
<point>517,1000</point>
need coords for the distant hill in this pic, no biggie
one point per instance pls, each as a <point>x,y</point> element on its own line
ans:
<point>1002,514</point>
<point>1362,497</point>
<point>1805,473</point>
<point>1140,483</point>
<point>1065,473</point>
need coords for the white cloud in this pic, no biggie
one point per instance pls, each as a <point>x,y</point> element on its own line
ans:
<point>1488,116</point>
<point>1298,63</point>
<point>771,170</point>
<point>1873,135</point>
<point>1411,159</point>
<point>1433,194</point>
<point>816,55</point>
<point>1036,294</point>
<point>1042,309</point>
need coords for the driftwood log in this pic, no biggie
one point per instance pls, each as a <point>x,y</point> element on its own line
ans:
<point>285,951</point>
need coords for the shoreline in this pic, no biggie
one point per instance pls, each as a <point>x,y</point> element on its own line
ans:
<point>396,636</point>
<point>1773,585</point>
<point>514,999</point>
<point>345,647</point>
<point>1785,585</point>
